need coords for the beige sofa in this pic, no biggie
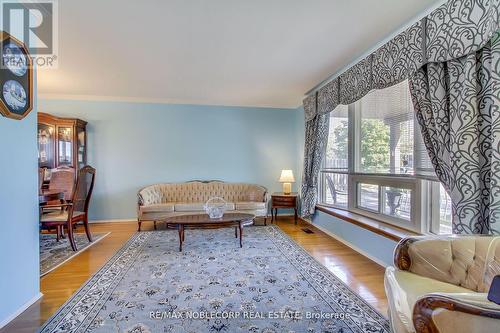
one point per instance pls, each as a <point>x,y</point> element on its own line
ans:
<point>440,284</point>
<point>164,200</point>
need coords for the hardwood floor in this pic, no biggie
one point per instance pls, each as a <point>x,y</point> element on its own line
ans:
<point>361,274</point>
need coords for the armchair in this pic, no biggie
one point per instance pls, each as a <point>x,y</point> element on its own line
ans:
<point>440,284</point>
<point>70,213</point>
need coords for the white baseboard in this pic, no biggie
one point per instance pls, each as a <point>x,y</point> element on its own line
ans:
<point>20,310</point>
<point>343,241</point>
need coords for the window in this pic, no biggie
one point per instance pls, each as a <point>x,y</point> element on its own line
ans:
<point>444,211</point>
<point>375,164</point>
<point>440,209</point>
<point>386,135</point>
<point>397,202</point>
<point>336,165</point>
<point>368,196</point>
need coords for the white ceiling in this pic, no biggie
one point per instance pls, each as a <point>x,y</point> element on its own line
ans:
<point>218,52</point>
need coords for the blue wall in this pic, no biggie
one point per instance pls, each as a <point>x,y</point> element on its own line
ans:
<point>136,144</point>
<point>366,242</point>
<point>19,274</point>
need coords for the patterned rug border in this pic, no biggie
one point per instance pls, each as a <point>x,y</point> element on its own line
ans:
<point>76,253</point>
<point>96,276</point>
<point>141,237</point>
<point>382,320</point>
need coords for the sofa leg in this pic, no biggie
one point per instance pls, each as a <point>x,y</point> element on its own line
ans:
<point>139,225</point>
<point>265,220</point>
<point>154,224</point>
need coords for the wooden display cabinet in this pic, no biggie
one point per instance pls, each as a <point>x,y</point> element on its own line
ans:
<point>62,142</point>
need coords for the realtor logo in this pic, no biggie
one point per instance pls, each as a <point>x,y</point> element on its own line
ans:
<point>35,24</point>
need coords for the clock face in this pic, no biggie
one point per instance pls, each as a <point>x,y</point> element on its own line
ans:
<point>14,95</point>
<point>14,59</point>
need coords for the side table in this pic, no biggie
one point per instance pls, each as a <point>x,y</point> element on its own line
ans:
<point>282,200</point>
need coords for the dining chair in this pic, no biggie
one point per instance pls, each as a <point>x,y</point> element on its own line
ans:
<point>76,210</point>
<point>63,179</point>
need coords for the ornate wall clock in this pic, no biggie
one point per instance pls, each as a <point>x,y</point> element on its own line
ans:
<point>16,78</point>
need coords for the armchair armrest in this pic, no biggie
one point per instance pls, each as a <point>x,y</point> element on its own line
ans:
<point>140,199</point>
<point>434,309</point>
<point>267,197</point>
<point>402,258</point>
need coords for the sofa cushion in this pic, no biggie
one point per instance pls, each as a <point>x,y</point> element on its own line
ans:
<point>196,207</point>
<point>250,205</point>
<point>158,208</point>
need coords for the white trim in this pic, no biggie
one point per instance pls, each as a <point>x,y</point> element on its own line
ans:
<point>20,310</point>
<point>75,254</point>
<point>343,241</point>
<point>169,101</point>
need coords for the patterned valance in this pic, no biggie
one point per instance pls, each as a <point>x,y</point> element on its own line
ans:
<point>455,29</point>
<point>356,81</point>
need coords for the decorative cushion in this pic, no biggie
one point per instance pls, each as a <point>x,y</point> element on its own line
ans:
<point>58,216</point>
<point>246,205</point>
<point>158,208</point>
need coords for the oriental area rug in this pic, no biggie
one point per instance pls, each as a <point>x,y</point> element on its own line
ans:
<point>269,285</point>
<point>54,253</point>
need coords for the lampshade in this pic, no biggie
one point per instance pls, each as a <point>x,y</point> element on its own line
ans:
<point>287,176</point>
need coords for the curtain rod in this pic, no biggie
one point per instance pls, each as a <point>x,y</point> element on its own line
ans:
<point>372,49</point>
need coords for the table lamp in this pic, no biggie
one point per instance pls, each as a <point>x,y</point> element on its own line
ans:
<point>287,179</point>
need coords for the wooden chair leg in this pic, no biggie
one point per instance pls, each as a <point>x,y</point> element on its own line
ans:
<point>58,233</point>
<point>139,225</point>
<point>87,229</point>
<point>71,236</point>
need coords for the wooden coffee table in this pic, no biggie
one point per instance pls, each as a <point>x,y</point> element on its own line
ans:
<point>202,221</point>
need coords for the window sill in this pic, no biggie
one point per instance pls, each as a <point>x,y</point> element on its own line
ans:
<point>380,228</point>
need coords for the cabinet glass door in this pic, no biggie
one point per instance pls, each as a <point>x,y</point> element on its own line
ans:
<point>46,139</point>
<point>82,158</point>
<point>65,146</point>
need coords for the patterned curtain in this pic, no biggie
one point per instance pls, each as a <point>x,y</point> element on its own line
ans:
<point>448,48</point>
<point>314,150</point>
<point>457,103</point>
